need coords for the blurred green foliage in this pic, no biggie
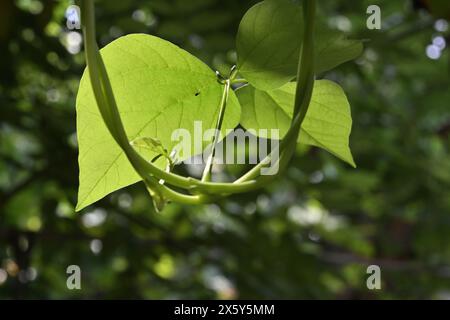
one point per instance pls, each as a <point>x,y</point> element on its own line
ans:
<point>311,234</point>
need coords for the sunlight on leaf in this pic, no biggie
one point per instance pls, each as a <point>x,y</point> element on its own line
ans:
<point>327,124</point>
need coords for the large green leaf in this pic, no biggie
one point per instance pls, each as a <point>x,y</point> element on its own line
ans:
<point>159,88</point>
<point>327,123</point>
<point>269,39</point>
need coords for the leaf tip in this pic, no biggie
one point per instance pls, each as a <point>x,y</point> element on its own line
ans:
<point>352,163</point>
<point>81,204</point>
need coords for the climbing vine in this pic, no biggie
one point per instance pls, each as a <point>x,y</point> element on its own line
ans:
<point>138,89</point>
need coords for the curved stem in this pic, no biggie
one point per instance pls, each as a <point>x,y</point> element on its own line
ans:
<point>305,71</point>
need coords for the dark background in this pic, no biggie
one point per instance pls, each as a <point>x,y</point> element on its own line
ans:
<point>311,234</point>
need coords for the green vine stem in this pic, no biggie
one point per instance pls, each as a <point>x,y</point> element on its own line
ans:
<point>223,104</point>
<point>151,174</point>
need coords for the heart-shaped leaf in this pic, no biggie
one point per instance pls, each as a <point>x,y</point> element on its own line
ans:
<point>268,44</point>
<point>158,88</point>
<point>327,123</point>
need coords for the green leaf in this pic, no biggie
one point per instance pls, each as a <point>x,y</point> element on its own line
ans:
<point>267,54</point>
<point>268,44</point>
<point>158,88</point>
<point>332,48</point>
<point>151,144</point>
<point>327,123</point>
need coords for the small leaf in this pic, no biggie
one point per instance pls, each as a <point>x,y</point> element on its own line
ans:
<point>155,84</point>
<point>327,123</point>
<point>268,44</point>
<point>150,143</point>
